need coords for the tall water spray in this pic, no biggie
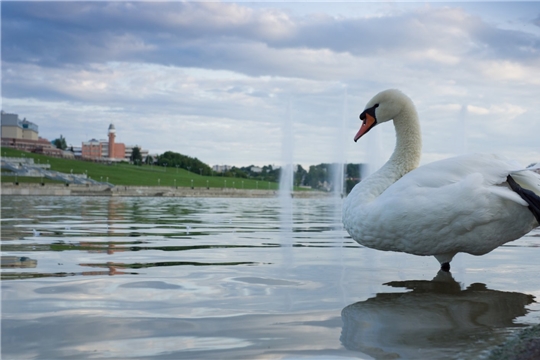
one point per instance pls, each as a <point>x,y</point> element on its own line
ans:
<point>340,158</point>
<point>287,177</point>
<point>374,159</point>
<point>340,147</point>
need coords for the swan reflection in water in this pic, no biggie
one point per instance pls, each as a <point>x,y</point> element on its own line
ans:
<point>436,319</point>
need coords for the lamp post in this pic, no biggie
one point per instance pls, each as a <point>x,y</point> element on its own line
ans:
<point>175,183</point>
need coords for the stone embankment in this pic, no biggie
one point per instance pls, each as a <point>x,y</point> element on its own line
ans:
<point>144,191</point>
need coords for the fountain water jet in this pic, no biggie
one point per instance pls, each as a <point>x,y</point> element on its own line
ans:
<point>286,178</point>
<point>374,153</point>
<point>339,189</point>
<point>338,169</point>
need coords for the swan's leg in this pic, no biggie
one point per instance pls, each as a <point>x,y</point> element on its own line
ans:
<point>445,266</point>
<point>444,260</point>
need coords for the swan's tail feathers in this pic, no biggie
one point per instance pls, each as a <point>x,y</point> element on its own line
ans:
<point>534,166</point>
<point>529,196</point>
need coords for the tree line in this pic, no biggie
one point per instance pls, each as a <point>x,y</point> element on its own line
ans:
<point>320,177</point>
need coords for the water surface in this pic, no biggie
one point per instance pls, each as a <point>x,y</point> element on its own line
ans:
<point>153,278</point>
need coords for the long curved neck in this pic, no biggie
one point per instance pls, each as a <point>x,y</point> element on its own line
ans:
<point>406,156</point>
<point>408,150</point>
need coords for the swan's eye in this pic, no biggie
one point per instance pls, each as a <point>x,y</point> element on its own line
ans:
<point>370,111</point>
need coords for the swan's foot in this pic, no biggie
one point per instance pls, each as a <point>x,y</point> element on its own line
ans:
<point>445,266</point>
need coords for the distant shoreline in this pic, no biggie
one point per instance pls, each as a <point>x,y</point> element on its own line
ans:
<point>25,189</point>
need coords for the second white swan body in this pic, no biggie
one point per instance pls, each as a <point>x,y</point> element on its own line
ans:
<point>461,204</point>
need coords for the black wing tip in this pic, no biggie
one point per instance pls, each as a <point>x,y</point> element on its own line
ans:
<point>530,197</point>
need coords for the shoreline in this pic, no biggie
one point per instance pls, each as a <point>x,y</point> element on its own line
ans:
<point>10,189</point>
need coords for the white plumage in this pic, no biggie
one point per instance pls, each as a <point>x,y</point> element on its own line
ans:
<point>461,204</point>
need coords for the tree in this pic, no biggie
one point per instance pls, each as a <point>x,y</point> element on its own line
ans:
<point>136,156</point>
<point>60,143</point>
<point>300,176</point>
<point>174,159</point>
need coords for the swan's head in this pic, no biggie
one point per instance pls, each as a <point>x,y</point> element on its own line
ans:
<point>384,106</point>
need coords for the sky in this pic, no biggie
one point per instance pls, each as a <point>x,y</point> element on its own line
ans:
<point>257,83</point>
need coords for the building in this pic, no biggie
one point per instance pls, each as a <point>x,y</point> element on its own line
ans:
<point>102,149</point>
<point>13,127</point>
<point>109,150</point>
<point>24,135</point>
<point>115,150</point>
<point>93,149</point>
<point>221,168</point>
<point>77,151</point>
<point>129,151</point>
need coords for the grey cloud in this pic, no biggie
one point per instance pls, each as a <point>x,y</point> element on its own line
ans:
<point>231,36</point>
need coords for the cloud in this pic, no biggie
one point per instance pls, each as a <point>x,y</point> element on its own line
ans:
<point>510,71</point>
<point>225,34</point>
<point>226,72</point>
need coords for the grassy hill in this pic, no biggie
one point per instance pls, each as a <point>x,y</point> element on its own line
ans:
<point>131,175</point>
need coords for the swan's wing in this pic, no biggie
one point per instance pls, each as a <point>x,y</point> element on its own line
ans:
<point>475,172</point>
<point>493,168</point>
<point>451,197</point>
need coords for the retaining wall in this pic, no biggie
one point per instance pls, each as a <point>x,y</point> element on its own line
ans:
<point>143,191</point>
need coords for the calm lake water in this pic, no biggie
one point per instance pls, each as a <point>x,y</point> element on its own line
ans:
<point>176,278</point>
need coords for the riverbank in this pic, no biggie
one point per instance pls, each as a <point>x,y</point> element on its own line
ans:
<point>10,189</point>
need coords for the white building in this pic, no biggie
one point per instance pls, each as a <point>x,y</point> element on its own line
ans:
<point>13,127</point>
<point>129,151</point>
<point>221,168</point>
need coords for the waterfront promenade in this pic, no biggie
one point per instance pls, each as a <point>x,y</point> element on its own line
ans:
<point>8,189</point>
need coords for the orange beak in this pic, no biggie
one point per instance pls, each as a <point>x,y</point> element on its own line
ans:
<point>368,123</point>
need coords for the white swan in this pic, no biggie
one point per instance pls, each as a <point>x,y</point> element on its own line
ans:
<point>468,203</point>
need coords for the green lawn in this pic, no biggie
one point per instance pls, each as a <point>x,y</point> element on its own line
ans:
<point>125,174</point>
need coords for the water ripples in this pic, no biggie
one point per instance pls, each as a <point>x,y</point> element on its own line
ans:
<point>212,231</point>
